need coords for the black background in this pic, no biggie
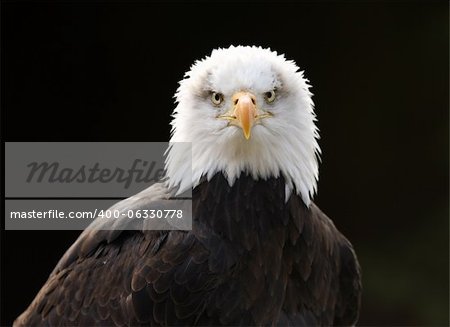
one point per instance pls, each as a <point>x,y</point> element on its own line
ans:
<point>108,71</point>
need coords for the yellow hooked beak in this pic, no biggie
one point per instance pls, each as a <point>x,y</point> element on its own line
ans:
<point>244,112</point>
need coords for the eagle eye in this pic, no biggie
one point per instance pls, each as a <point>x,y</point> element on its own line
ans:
<point>270,96</point>
<point>216,98</point>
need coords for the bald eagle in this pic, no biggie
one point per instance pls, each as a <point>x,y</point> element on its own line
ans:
<point>260,251</point>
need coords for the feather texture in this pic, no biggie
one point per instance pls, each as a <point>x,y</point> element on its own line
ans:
<point>211,275</point>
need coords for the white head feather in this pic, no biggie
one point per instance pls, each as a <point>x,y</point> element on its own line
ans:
<point>284,144</point>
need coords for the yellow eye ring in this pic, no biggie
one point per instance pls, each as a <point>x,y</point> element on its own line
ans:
<point>216,98</point>
<point>270,96</point>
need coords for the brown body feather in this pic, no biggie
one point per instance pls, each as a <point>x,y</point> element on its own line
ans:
<point>252,258</point>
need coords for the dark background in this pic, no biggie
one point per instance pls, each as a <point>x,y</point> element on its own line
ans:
<point>379,70</point>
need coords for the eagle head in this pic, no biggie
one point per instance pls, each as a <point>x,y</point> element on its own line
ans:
<point>245,110</point>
